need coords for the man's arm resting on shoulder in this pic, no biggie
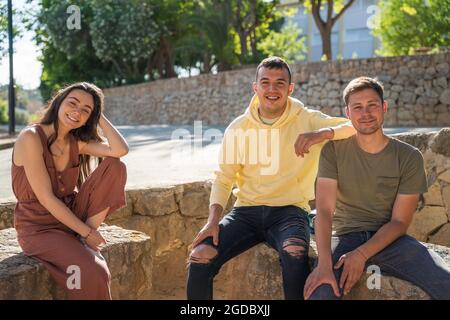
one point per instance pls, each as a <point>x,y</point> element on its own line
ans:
<point>341,126</point>
<point>325,205</point>
<point>306,140</point>
<point>330,128</point>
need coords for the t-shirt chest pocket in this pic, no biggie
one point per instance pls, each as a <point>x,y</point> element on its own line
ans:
<point>386,188</point>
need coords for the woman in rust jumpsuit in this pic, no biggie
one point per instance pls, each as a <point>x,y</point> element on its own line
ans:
<point>60,202</point>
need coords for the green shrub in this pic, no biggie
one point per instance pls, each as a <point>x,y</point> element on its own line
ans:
<point>3,112</point>
<point>22,116</point>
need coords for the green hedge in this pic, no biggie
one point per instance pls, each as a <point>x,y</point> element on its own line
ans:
<point>22,116</point>
<point>3,112</point>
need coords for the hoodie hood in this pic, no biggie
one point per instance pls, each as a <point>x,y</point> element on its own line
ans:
<point>293,108</point>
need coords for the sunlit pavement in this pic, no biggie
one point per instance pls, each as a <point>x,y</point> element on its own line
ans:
<point>163,155</point>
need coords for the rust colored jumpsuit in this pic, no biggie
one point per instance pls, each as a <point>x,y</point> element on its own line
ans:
<point>45,238</point>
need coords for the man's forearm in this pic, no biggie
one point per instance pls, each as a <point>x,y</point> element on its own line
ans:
<point>323,225</point>
<point>387,234</point>
<point>343,131</point>
<point>327,133</point>
<point>215,212</point>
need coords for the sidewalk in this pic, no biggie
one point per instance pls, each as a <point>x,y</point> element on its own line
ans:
<point>158,157</point>
<point>7,141</point>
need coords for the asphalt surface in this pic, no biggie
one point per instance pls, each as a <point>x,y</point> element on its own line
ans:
<point>161,155</point>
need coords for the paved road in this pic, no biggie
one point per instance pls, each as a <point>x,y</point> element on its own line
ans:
<point>161,155</point>
<point>155,158</point>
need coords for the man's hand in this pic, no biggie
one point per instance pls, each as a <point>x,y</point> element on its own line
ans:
<point>208,230</point>
<point>354,263</point>
<point>306,140</point>
<point>320,275</point>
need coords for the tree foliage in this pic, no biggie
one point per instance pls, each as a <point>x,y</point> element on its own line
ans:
<point>404,26</point>
<point>125,33</point>
<point>251,21</point>
<point>286,44</point>
<point>19,18</point>
<point>68,55</point>
<point>3,27</point>
<point>124,42</point>
<point>209,42</point>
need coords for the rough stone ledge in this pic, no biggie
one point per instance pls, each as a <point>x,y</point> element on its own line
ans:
<point>263,278</point>
<point>6,214</point>
<point>127,253</point>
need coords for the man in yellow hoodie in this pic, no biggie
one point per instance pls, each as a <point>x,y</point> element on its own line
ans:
<point>271,153</point>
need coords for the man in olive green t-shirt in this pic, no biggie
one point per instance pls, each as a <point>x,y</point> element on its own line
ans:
<point>371,183</point>
<point>368,183</point>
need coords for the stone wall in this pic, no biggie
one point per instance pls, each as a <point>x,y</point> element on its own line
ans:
<point>417,89</point>
<point>431,222</point>
<point>127,253</point>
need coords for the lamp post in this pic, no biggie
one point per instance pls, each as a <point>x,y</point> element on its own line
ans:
<point>11,94</point>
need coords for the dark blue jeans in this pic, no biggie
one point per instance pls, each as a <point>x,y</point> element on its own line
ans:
<point>405,258</point>
<point>245,227</point>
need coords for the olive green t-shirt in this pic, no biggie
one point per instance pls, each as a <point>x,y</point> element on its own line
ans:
<point>369,183</point>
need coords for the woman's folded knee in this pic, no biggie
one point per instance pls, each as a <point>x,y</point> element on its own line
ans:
<point>115,169</point>
<point>114,163</point>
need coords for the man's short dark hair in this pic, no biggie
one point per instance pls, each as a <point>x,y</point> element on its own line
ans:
<point>363,83</point>
<point>274,63</point>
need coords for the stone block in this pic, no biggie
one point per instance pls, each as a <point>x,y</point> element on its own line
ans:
<point>154,201</point>
<point>426,221</point>
<point>442,236</point>
<point>7,215</point>
<point>256,274</point>
<point>434,197</point>
<point>127,253</point>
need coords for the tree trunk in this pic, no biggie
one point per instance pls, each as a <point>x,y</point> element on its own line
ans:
<point>156,63</point>
<point>252,33</point>
<point>223,66</point>
<point>253,44</point>
<point>326,43</point>
<point>243,42</point>
<point>325,27</point>
<point>206,63</point>
<point>240,29</point>
<point>167,57</point>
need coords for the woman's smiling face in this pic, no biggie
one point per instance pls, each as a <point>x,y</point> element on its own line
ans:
<point>76,109</point>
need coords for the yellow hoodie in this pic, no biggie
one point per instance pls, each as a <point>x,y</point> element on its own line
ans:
<point>260,159</point>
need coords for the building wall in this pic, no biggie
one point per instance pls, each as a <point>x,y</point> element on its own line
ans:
<point>351,35</point>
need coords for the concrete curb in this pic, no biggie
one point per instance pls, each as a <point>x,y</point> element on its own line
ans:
<point>7,145</point>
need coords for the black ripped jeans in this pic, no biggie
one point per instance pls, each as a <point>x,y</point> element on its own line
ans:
<point>245,227</point>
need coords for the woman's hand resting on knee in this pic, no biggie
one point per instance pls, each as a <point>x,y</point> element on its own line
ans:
<point>95,240</point>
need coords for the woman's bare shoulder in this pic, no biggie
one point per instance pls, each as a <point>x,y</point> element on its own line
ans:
<point>29,135</point>
<point>28,144</point>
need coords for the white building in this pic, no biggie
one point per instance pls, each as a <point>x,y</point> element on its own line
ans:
<point>351,36</point>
